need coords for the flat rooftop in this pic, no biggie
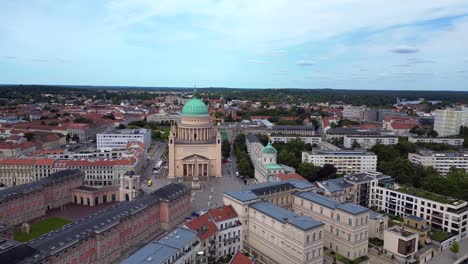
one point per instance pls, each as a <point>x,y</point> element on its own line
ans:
<point>350,208</point>
<point>126,131</point>
<point>285,216</point>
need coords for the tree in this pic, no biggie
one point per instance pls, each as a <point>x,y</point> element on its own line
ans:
<point>68,137</point>
<point>327,171</point>
<point>226,149</point>
<point>121,126</point>
<point>82,119</point>
<point>455,248</point>
<point>432,133</point>
<point>307,170</point>
<point>109,116</point>
<point>155,134</point>
<point>30,136</point>
<point>355,145</point>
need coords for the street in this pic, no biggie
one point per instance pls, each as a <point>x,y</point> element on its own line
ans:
<point>159,179</point>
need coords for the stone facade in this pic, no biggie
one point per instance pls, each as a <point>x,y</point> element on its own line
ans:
<point>194,145</point>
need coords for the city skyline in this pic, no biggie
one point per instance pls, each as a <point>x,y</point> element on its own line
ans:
<point>246,44</point>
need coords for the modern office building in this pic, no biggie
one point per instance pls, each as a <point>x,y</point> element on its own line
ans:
<point>448,121</point>
<point>441,161</point>
<point>345,161</point>
<point>119,138</point>
<point>353,112</point>
<point>346,225</point>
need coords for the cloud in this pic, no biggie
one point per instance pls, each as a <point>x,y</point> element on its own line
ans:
<point>39,60</point>
<point>305,63</point>
<point>419,61</point>
<point>9,57</point>
<point>404,50</point>
<point>278,53</point>
<point>402,65</point>
<point>255,61</point>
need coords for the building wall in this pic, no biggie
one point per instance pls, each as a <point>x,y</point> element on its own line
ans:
<point>344,163</point>
<point>447,122</point>
<point>345,234</point>
<point>448,141</point>
<point>283,242</point>
<point>447,217</point>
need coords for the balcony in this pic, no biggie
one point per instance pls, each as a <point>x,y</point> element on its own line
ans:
<point>230,239</point>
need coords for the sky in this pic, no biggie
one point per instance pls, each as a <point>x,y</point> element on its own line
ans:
<point>359,44</point>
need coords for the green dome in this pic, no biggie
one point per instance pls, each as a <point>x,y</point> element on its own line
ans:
<point>269,149</point>
<point>195,107</point>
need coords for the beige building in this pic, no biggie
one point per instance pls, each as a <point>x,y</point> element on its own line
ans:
<point>194,145</point>
<point>345,161</point>
<point>346,225</point>
<point>401,244</point>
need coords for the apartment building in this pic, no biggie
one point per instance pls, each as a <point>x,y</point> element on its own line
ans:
<point>229,230</point>
<point>447,122</point>
<point>207,233</point>
<point>283,236</point>
<point>353,112</point>
<point>419,226</point>
<point>368,142</point>
<point>346,225</point>
<point>118,138</point>
<point>378,223</point>
<point>286,138</point>
<point>179,246</point>
<point>453,141</point>
<point>442,213</point>
<point>441,161</point>
<point>345,161</point>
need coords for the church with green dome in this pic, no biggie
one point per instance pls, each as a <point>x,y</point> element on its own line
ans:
<point>194,145</point>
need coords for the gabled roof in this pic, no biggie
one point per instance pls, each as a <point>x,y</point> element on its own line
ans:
<point>240,258</point>
<point>222,213</point>
<point>203,225</point>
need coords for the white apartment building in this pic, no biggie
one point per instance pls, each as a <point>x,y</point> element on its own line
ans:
<point>400,243</point>
<point>119,138</point>
<point>443,213</point>
<point>453,141</point>
<point>368,142</point>
<point>448,121</point>
<point>286,138</point>
<point>353,112</point>
<point>441,161</point>
<point>346,225</point>
<point>229,236</point>
<point>345,161</point>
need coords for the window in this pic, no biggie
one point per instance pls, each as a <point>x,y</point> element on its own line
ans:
<point>350,221</point>
<point>337,217</point>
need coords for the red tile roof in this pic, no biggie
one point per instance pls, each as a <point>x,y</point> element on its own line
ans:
<point>222,213</point>
<point>240,258</point>
<point>402,125</point>
<point>203,225</point>
<point>290,176</point>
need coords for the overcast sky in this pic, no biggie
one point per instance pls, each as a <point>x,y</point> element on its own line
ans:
<point>373,44</point>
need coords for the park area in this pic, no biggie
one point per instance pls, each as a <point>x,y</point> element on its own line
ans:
<point>39,228</point>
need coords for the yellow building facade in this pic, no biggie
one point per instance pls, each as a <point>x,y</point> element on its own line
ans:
<point>194,145</point>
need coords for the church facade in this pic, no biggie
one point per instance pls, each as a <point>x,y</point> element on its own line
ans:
<point>194,145</point>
